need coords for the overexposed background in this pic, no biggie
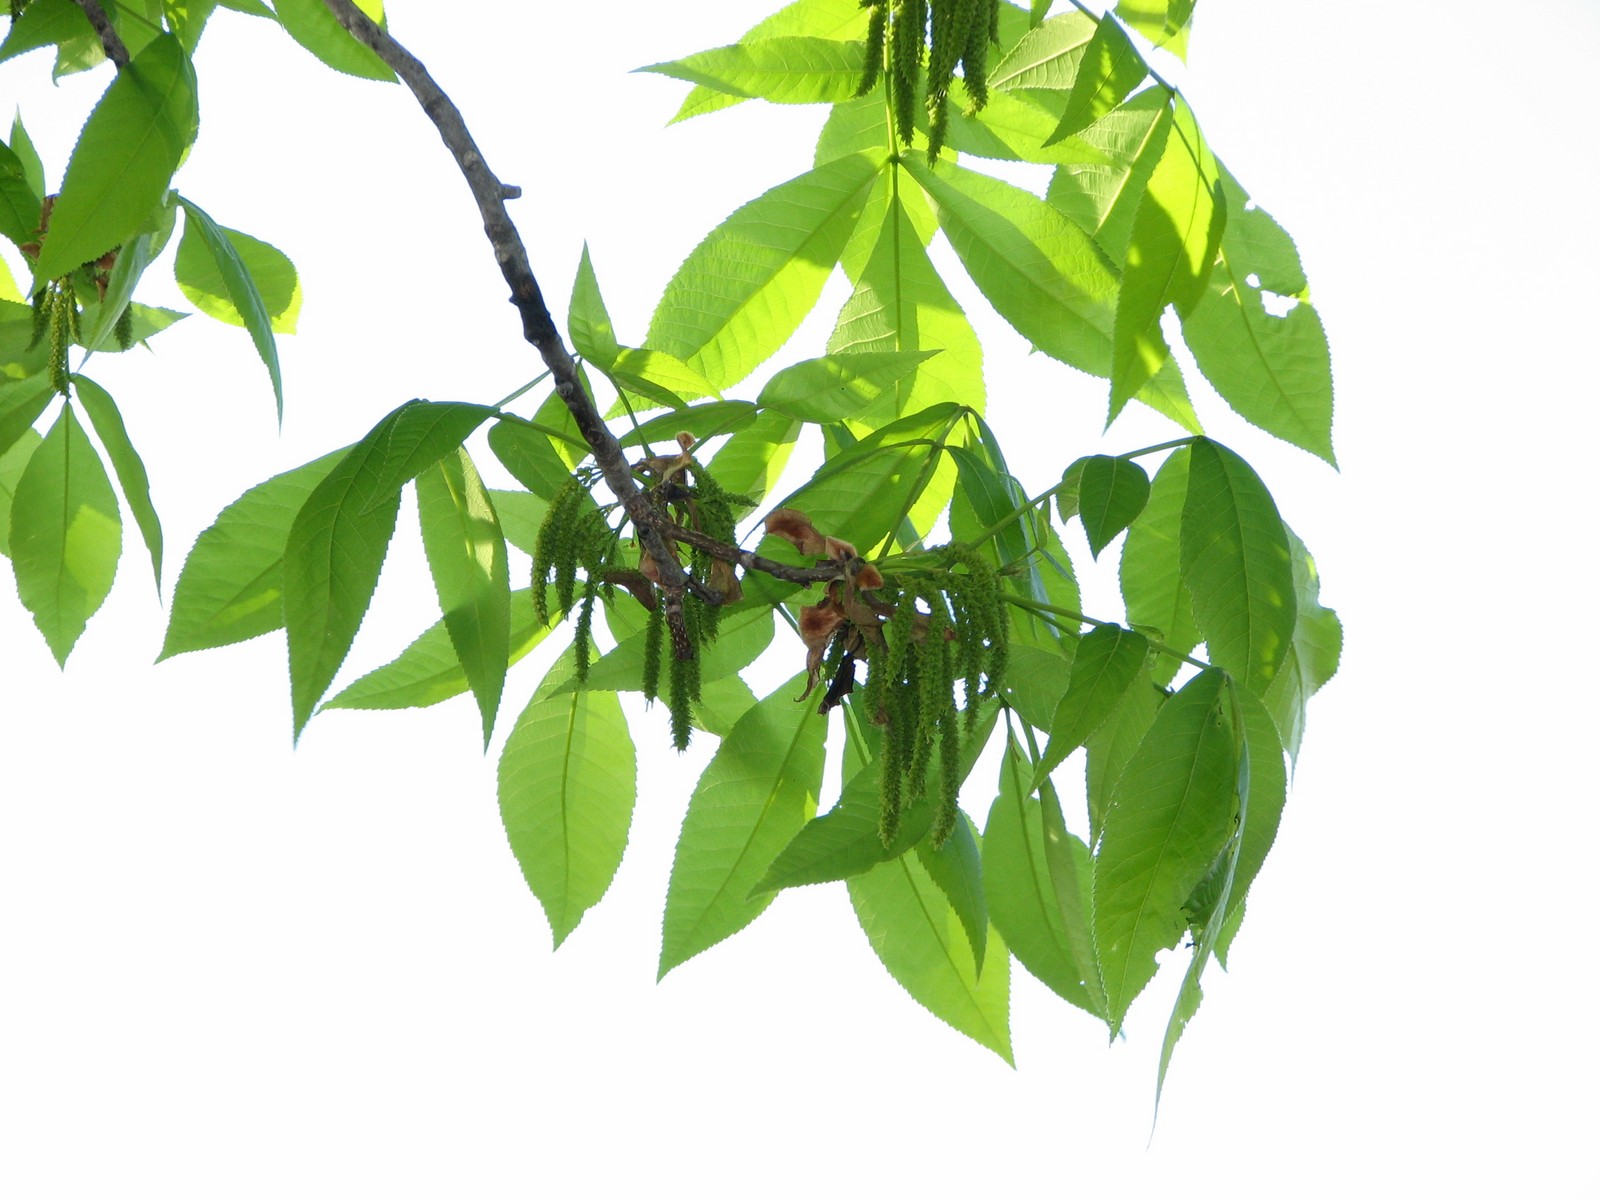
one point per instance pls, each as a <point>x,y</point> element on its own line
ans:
<point>234,969</point>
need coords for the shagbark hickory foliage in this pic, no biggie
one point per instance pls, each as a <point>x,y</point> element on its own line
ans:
<point>634,484</point>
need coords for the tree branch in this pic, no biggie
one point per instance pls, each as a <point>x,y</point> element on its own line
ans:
<point>110,39</point>
<point>537,325</point>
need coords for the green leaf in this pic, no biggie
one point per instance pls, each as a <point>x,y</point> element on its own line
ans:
<point>231,585</point>
<point>100,319</point>
<point>125,461</point>
<point>1263,810</point>
<point>466,553</point>
<point>210,285</point>
<point>1313,656</point>
<point>659,377</point>
<point>19,203</point>
<point>742,635</point>
<point>521,514</point>
<point>588,322</point>
<point>1111,68</point>
<point>844,841</point>
<point>745,288</point>
<point>331,559</point>
<point>854,127</point>
<point>837,386</point>
<point>45,23</point>
<point>758,790</point>
<point>429,670</point>
<point>1039,271</point>
<point>1036,680</point>
<point>957,868</point>
<point>917,935</point>
<point>530,454</point>
<point>1037,879</point>
<point>1112,745</point>
<point>1235,555</point>
<point>1171,813</point>
<point>1164,22</point>
<point>1112,492</point>
<point>841,20</point>
<point>567,783</point>
<point>784,70</point>
<point>22,146</point>
<point>21,404</point>
<point>1108,661</point>
<point>204,238</point>
<point>862,494</point>
<point>1151,570</point>
<point>1274,371</point>
<point>13,462</point>
<point>311,24</point>
<point>1218,884</point>
<point>722,702</point>
<point>1047,56</point>
<point>992,496</point>
<point>419,434</point>
<point>124,159</point>
<point>1106,168</point>
<point>751,461</point>
<point>900,304</point>
<point>188,18</point>
<point>1171,250</point>
<point>66,534</point>
<point>711,419</point>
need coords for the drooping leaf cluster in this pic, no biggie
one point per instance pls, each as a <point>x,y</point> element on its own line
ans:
<point>1187,706</point>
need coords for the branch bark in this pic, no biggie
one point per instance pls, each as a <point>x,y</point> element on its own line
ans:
<point>110,40</point>
<point>537,325</point>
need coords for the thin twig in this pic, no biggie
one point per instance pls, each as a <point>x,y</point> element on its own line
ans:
<point>110,39</point>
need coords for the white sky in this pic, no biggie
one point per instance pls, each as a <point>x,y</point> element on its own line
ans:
<point>235,970</point>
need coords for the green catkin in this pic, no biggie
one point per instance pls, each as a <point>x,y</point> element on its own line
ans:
<point>694,620</point>
<point>582,641</point>
<point>41,316</point>
<point>899,692</point>
<point>650,682</point>
<point>905,53</point>
<point>872,691</point>
<point>946,44</point>
<point>989,613</point>
<point>548,548</point>
<point>123,329</point>
<point>934,684</point>
<point>60,338</point>
<point>679,700</point>
<point>994,21</point>
<point>891,789</point>
<point>975,64</point>
<point>944,822</point>
<point>877,26</point>
<point>969,652</point>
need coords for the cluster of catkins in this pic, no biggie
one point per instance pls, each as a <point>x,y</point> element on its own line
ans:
<point>911,688</point>
<point>950,32</point>
<point>919,641</point>
<point>577,534</point>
